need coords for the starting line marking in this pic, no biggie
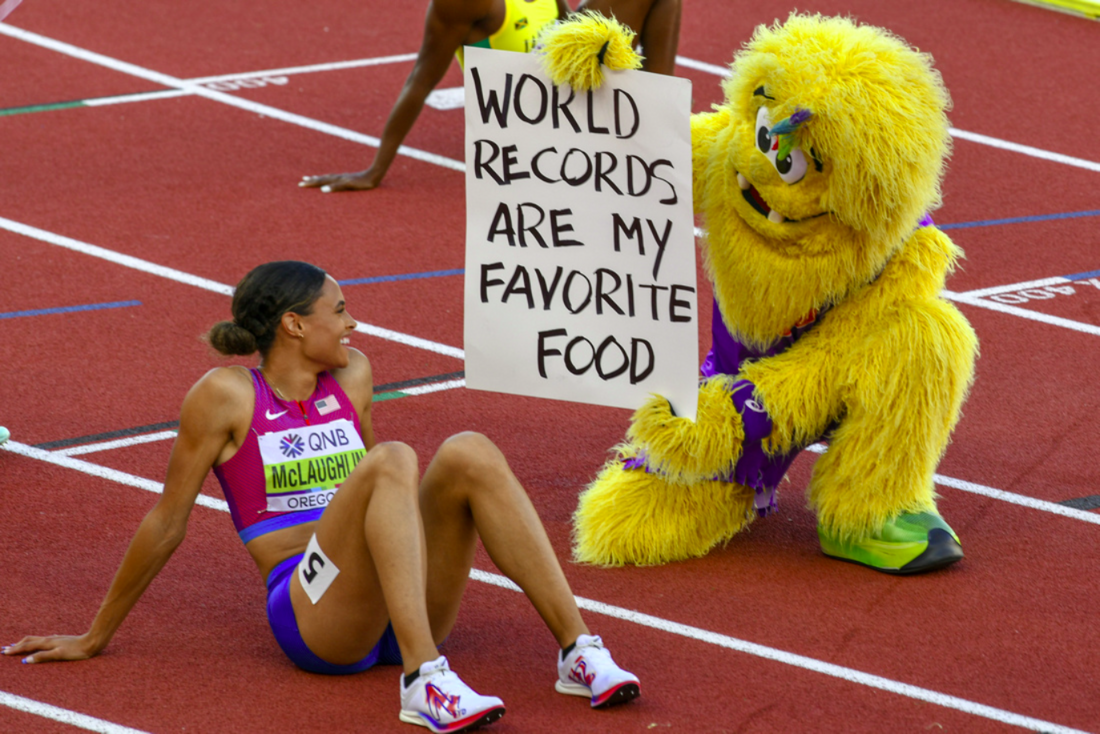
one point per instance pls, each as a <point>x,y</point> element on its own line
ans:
<point>196,88</point>
<point>628,615</point>
<point>65,716</point>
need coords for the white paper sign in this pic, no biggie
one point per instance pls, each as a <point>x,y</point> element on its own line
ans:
<point>580,247</point>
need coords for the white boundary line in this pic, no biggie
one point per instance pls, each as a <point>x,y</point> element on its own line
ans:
<point>425,389</point>
<point>167,94</point>
<point>226,290</point>
<point>998,289</point>
<point>1025,150</point>
<point>999,494</point>
<point>288,71</point>
<point>103,472</point>
<point>645,620</point>
<point>121,443</point>
<point>789,658</point>
<point>228,99</point>
<point>196,88</point>
<point>1022,312</point>
<point>798,661</point>
<point>116,257</point>
<point>65,716</point>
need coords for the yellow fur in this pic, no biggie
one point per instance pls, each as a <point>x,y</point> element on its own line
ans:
<point>570,50</point>
<point>690,451</point>
<point>889,363</point>
<point>639,518</point>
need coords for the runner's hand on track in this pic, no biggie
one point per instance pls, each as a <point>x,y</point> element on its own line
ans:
<point>360,181</point>
<point>54,647</point>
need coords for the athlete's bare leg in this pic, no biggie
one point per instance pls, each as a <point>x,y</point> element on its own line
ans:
<point>468,491</point>
<point>372,532</point>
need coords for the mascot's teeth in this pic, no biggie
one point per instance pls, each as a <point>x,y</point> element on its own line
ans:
<point>774,216</point>
<point>743,182</point>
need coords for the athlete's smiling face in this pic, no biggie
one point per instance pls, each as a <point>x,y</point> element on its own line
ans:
<point>327,329</point>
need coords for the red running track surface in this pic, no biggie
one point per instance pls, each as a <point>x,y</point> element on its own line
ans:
<point>209,190</point>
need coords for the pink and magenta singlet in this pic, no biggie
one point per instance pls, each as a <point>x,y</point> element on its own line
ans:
<point>295,457</point>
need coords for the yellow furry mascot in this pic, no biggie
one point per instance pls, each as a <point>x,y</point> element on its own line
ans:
<point>815,178</point>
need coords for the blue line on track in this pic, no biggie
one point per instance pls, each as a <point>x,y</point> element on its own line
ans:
<point>1018,220</point>
<point>69,309</point>
<point>409,276</point>
<point>1083,276</point>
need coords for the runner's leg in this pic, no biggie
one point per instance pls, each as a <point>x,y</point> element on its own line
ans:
<point>371,531</point>
<point>468,490</point>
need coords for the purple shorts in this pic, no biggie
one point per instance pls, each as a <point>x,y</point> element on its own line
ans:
<point>280,613</point>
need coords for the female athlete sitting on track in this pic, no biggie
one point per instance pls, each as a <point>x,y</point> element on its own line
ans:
<point>373,572</point>
<point>452,24</point>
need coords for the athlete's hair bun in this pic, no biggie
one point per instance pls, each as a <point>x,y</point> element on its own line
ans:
<point>229,338</point>
<point>259,302</point>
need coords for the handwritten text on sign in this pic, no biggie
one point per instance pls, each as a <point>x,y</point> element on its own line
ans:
<point>580,250</point>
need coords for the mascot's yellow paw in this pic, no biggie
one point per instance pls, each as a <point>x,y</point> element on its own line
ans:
<point>686,451</point>
<point>574,50</point>
<point>632,516</point>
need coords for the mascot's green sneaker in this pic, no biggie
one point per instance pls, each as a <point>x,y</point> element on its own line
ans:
<point>910,543</point>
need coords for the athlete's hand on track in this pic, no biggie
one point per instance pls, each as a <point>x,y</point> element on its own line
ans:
<point>54,647</point>
<point>361,181</point>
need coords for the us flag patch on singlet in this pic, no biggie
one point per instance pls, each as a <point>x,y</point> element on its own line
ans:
<point>326,405</point>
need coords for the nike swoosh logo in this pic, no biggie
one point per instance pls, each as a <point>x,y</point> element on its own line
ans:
<point>271,417</point>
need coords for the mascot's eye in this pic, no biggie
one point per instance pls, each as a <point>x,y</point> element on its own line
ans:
<point>763,130</point>
<point>793,167</point>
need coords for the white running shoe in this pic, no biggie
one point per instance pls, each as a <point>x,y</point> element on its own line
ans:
<point>4,434</point>
<point>439,700</point>
<point>589,671</point>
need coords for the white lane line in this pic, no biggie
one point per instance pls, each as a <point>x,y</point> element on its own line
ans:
<point>226,290</point>
<point>340,132</point>
<point>799,661</point>
<point>291,70</point>
<point>45,710</point>
<point>1025,150</point>
<point>95,470</point>
<point>228,99</point>
<point>999,494</point>
<point>639,618</point>
<point>723,71</point>
<point>143,97</point>
<point>998,289</point>
<point>1022,313</point>
<point>409,340</point>
<point>116,257</point>
<point>425,389</point>
<point>120,443</point>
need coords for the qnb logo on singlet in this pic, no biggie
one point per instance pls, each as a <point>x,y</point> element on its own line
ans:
<point>291,446</point>
<point>303,467</point>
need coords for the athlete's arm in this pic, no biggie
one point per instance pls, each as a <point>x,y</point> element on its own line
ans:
<point>447,26</point>
<point>357,382</point>
<point>209,420</point>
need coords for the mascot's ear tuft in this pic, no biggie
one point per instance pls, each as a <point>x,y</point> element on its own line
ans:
<point>574,50</point>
